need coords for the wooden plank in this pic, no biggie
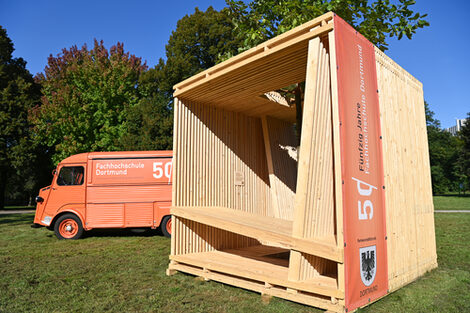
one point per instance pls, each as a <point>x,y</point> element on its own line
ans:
<point>281,153</point>
<point>338,186</point>
<point>237,265</point>
<point>259,287</point>
<point>410,220</point>
<point>268,230</point>
<point>269,160</point>
<point>205,146</point>
<point>306,142</point>
<point>314,211</point>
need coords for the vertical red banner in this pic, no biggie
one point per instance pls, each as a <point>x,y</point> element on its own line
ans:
<point>365,251</point>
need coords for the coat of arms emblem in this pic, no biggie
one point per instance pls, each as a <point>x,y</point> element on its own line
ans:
<point>368,261</point>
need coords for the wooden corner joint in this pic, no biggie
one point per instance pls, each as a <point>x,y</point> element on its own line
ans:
<point>205,274</point>
<point>322,250</point>
<point>292,291</point>
<point>170,271</point>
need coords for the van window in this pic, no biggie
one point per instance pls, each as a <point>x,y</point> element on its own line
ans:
<point>70,175</point>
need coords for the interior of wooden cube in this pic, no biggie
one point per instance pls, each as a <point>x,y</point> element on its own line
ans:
<point>239,161</point>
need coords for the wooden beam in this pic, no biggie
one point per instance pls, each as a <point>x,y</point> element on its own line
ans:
<point>304,153</point>
<point>232,264</point>
<point>260,287</point>
<point>338,185</point>
<point>268,230</point>
<point>269,160</point>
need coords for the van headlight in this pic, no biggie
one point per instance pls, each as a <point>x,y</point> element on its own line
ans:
<point>47,220</point>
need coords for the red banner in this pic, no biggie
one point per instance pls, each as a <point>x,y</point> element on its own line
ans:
<point>365,251</point>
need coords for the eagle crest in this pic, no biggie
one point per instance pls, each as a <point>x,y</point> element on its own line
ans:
<point>368,261</point>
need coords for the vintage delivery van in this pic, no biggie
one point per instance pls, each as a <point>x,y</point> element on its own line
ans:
<point>107,190</point>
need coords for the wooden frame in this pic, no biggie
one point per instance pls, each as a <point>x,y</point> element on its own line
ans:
<point>253,209</point>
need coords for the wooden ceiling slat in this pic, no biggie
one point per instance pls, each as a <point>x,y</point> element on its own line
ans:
<point>238,83</point>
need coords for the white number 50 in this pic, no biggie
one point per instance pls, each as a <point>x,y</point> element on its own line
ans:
<point>158,170</point>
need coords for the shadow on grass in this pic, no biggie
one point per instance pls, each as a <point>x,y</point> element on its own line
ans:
<point>122,232</point>
<point>17,219</point>
<point>19,207</point>
<point>467,195</point>
<point>27,219</point>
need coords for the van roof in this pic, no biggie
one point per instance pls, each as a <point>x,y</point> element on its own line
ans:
<point>83,157</point>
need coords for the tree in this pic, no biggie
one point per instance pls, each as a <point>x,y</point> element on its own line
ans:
<point>195,45</point>
<point>260,20</point>
<point>86,97</point>
<point>149,124</point>
<point>444,151</point>
<point>18,93</point>
<point>464,159</point>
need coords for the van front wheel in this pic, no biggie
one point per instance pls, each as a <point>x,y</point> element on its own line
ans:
<point>68,226</point>
<point>165,226</point>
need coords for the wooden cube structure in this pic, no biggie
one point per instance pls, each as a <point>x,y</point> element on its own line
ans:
<point>336,217</point>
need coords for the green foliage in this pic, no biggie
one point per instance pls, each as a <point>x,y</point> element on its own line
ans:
<point>18,93</point>
<point>260,20</point>
<point>444,152</point>
<point>195,45</point>
<point>86,97</point>
<point>149,125</point>
<point>464,159</point>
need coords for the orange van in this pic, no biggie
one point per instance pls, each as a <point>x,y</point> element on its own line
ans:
<point>107,190</point>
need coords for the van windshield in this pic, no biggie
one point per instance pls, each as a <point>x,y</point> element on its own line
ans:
<point>70,175</point>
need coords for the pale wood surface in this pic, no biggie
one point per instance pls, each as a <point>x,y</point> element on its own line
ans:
<point>408,196</point>
<point>213,146</point>
<point>338,184</point>
<point>281,154</point>
<point>261,287</point>
<point>268,230</point>
<point>314,207</point>
<point>239,83</point>
<point>238,263</point>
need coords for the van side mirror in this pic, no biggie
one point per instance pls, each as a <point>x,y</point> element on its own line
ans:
<point>54,171</point>
<point>39,199</point>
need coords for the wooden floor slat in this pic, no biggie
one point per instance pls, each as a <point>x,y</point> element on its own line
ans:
<point>235,262</point>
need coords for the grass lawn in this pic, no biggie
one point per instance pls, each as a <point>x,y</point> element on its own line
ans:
<point>452,202</point>
<point>118,271</point>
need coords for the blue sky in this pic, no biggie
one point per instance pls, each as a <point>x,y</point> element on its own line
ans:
<point>438,56</point>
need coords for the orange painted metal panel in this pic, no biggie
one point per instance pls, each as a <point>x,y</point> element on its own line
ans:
<point>138,214</point>
<point>141,171</point>
<point>366,277</point>
<point>104,215</point>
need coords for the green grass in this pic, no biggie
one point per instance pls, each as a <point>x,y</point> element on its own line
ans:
<point>118,271</point>
<point>452,202</point>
